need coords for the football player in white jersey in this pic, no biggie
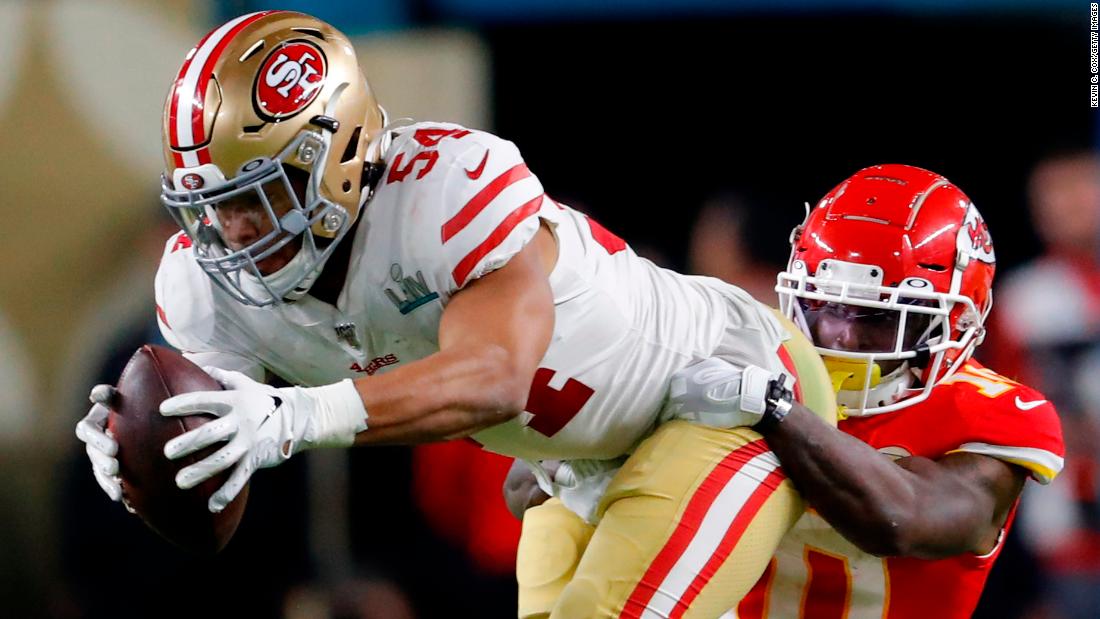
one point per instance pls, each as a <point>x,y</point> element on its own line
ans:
<point>418,285</point>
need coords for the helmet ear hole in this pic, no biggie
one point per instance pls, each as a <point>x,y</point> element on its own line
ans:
<point>352,147</point>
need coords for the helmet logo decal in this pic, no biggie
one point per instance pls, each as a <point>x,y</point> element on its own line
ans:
<point>289,79</point>
<point>974,239</point>
<point>979,236</point>
<point>192,181</point>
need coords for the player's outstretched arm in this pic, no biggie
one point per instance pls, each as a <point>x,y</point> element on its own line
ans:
<point>492,336</point>
<point>909,507</point>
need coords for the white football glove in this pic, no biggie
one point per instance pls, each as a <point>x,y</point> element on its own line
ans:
<point>581,484</point>
<point>717,393</point>
<point>578,484</point>
<point>98,442</point>
<point>263,427</point>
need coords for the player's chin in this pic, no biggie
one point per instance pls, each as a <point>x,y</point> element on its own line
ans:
<point>278,260</point>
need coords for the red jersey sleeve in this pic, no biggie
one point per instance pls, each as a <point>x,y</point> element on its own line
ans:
<point>1007,420</point>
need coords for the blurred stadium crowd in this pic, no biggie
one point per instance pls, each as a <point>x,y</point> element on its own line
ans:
<point>695,131</point>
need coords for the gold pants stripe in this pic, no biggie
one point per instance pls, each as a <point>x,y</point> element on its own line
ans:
<point>728,499</point>
<point>687,527</point>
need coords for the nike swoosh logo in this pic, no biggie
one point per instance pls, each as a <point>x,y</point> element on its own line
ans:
<point>476,172</point>
<point>1026,406</point>
<point>278,402</point>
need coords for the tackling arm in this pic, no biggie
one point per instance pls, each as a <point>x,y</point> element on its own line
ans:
<point>492,336</point>
<point>910,507</point>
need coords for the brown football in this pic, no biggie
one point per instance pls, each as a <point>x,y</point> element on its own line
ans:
<point>153,375</point>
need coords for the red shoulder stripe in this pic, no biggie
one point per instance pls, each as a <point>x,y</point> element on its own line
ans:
<point>478,203</point>
<point>496,237</point>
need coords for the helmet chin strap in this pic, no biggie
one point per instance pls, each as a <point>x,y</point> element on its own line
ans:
<point>289,275</point>
<point>882,391</point>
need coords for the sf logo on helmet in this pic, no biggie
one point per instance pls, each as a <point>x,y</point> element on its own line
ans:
<point>192,181</point>
<point>289,79</point>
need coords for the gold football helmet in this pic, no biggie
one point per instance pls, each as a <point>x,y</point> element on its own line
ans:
<point>263,99</point>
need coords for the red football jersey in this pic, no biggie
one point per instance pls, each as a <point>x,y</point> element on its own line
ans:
<point>818,574</point>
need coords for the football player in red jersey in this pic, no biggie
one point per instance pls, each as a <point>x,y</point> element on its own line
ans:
<point>890,276</point>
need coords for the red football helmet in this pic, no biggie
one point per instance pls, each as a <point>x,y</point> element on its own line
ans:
<point>890,277</point>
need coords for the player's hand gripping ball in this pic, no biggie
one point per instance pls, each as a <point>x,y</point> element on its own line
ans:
<point>149,488</point>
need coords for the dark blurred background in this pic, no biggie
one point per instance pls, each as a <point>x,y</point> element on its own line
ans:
<point>695,129</point>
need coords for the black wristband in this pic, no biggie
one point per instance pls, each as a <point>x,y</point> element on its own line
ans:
<point>777,405</point>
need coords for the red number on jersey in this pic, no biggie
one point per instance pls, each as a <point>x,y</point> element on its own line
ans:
<point>398,174</point>
<point>829,587</point>
<point>607,239</point>
<point>427,138</point>
<point>182,242</point>
<point>432,137</point>
<point>989,383</point>
<point>553,408</point>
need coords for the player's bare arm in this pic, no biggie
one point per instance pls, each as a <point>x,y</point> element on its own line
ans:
<point>490,346</point>
<point>913,506</point>
<point>438,227</point>
<point>491,338</point>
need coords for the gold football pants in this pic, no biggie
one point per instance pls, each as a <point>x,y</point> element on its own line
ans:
<point>688,524</point>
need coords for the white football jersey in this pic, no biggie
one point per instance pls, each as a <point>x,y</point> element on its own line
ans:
<point>453,205</point>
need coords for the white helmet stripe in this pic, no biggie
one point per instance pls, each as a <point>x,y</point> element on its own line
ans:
<point>190,159</point>
<point>190,85</point>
